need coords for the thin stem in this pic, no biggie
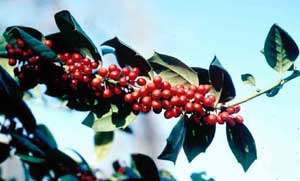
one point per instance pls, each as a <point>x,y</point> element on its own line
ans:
<point>281,82</point>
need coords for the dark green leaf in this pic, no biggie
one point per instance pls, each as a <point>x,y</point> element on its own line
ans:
<point>273,92</point>
<point>197,139</point>
<point>22,142</point>
<point>146,167</point>
<point>74,35</point>
<point>221,81</point>
<point>102,138</point>
<point>36,45</point>
<point>173,70</point>
<point>248,79</point>
<point>242,144</point>
<point>174,142</point>
<point>203,75</point>
<point>44,134</point>
<point>4,152</point>
<point>31,159</point>
<point>280,49</point>
<point>126,56</point>
<point>59,44</point>
<point>200,177</point>
<point>10,38</point>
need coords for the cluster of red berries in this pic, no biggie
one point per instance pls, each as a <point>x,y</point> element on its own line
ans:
<point>115,81</point>
<point>79,68</point>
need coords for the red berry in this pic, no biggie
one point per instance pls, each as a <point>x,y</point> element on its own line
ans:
<point>179,86</point>
<point>157,80</point>
<point>79,66</point>
<point>20,43</point>
<point>166,104</point>
<point>175,100</point>
<point>198,97</point>
<point>208,102</point>
<point>11,51</point>
<point>76,57</point>
<point>143,91</point>
<point>173,90</point>
<point>166,85</point>
<point>102,72</point>
<point>128,98</point>
<point>114,75</point>
<point>176,111</point>
<point>117,90</point>
<point>231,122</point>
<point>224,116</point>
<point>198,107</point>
<point>180,91</point>
<point>107,93</point>
<point>146,101</point>
<point>123,81</point>
<point>211,119</point>
<point>230,110</point>
<point>48,43</point>
<point>166,94</point>
<point>12,61</point>
<point>87,70</point>
<point>96,82</point>
<point>206,88</point>
<point>9,46</point>
<point>189,107</point>
<point>77,75</point>
<point>239,119</point>
<point>190,94</point>
<point>213,97</point>
<point>86,61</point>
<point>69,62</point>
<point>60,56</point>
<point>94,65</point>
<point>67,56</point>
<point>86,79</point>
<point>141,81</point>
<point>156,104</point>
<point>125,71</point>
<point>18,51</point>
<point>200,89</point>
<point>146,109</point>
<point>237,109</point>
<point>136,95</point>
<point>150,87</point>
<point>193,88</point>
<point>74,83</point>
<point>136,107</point>
<point>112,67</point>
<point>168,114</point>
<point>132,75</point>
<point>156,94</point>
<point>183,99</point>
<point>136,70</point>
<point>71,69</point>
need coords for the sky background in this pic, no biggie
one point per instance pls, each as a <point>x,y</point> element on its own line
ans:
<point>194,32</point>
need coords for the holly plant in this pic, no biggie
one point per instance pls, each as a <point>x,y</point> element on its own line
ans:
<point>70,66</point>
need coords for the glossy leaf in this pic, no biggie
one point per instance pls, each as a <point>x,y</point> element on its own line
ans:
<point>242,144</point>
<point>173,70</point>
<point>273,92</point>
<point>174,142</point>
<point>126,56</point>
<point>203,75</point>
<point>248,79</point>
<point>280,49</point>
<point>146,167</point>
<point>221,81</point>
<point>24,143</point>
<point>10,38</point>
<point>30,159</point>
<point>103,142</point>
<point>116,117</point>
<point>197,139</point>
<point>46,137</point>
<point>74,35</point>
<point>36,45</point>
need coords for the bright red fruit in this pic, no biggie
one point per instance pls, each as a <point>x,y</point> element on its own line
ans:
<point>20,43</point>
<point>239,119</point>
<point>166,94</point>
<point>123,81</point>
<point>128,98</point>
<point>76,57</point>
<point>211,119</point>
<point>125,71</point>
<point>168,114</point>
<point>189,107</point>
<point>141,81</point>
<point>132,75</point>
<point>102,72</point>
<point>230,110</point>
<point>208,102</point>
<point>146,101</point>
<point>114,75</point>
<point>12,61</point>
<point>96,82</point>
<point>136,70</point>
<point>112,67</point>
<point>156,94</point>
<point>107,93</point>
<point>48,43</point>
<point>157,80</point>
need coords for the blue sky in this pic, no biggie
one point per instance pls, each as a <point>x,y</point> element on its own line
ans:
<point>193,31</point>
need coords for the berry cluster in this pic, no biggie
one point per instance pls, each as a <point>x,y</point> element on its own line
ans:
<point>79,68</point>
<point>115,81</point>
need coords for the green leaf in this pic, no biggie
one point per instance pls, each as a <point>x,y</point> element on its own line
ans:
<point>174,142</point>
<point>248,79</point>
<point>74,35</point>
<point>116,117</point>
<point>43,133</point>
<point>103,142</point>
<point>273,92</point>
<point>36,45</point>
<point>280,50</point>
<point>146,167</point>
<point>30,159</point>
<point>10,38</point>
<point>221,81</point>
<point>126,56</point>
<point>203,75</point>
<point>22,142</point>
<point>242,144</point>
<point>197,139</point>
<point>173,70</point>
